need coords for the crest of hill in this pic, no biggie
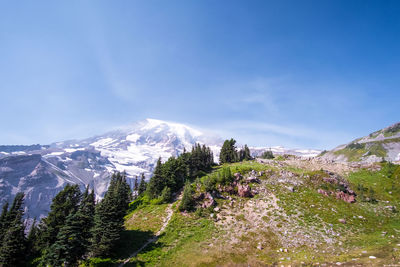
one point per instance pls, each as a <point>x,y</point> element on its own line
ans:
<point>378,146</point>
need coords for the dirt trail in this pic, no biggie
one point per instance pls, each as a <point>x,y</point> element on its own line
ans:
<point>166,220</point>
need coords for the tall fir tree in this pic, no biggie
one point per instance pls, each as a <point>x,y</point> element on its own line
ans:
<point>13,243</point>
<point>157,181</point>
<point>73,239</point>
<point>187,202</point>
<point>109,217</point>
<point>3,220</point>
<point>228,152</point>
<point>65,203</point>
<point>142,185</point>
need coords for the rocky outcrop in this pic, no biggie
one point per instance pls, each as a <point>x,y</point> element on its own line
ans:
<point>208,200</point>
<point>349,197</point>
<point>244,191</point>
<point>346,196</point>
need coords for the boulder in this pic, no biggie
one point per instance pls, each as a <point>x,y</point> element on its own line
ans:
<point>252,179</point>
<point>208,201</point>
<point>323,192</point>
<point>237,176</point>
<point>345,197</point>
<point>244,191</point>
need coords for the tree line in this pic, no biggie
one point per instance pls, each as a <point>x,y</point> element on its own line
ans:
<point>169,177</point>
<point>76,227</point>
<point>230,154</point>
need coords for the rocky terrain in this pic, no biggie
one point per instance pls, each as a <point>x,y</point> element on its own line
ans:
<point>377,146</point>
<point>280,212</point>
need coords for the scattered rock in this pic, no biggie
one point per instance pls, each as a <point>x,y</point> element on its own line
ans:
<point>290,188</point>
<point>345,197</point>
<point>208,201</point>
<point>323,192</point>
<point>259,247</point>
<point>342,221</point>
<point>252,179</point>
<point>244,191</point>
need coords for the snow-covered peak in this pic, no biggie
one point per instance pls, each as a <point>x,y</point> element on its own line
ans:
<point>180,129</point>
<point>136,148</point>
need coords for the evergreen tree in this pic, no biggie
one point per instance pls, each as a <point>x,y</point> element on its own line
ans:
<point>13,245</point>
<point>228,152</point>
<point>166,195</point>
<point>73,238</point>
<point>187,202</point>
<point>244,153</point>
<point>136,187</point>
<point>65,203</point>
<point>3,220</point>
<point>109,217</point>
<point>267,155</point>
<point>142,185</point>
<point>32,249</point>
<point>157,181</point>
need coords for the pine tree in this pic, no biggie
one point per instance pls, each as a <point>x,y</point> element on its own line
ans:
<point>109,217</point>
<point>13,245</point>
<point>32,248</point>
<point>142,185</point>
<point>166,195</point>
<point>228,152</point>
<point>136,187</point>
<point>187,202</point>
<point>157,181</point>
<point>64,203</point>
<point>3,220</point>
<point>73,238</point>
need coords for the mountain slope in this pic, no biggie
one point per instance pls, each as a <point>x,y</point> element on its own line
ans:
<point>296,216</point>
<point>379,145</point>
<point>42,171</point>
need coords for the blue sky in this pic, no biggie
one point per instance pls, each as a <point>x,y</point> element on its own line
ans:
<point>306,74</point>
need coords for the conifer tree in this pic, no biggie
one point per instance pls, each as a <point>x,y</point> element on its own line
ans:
<point>32,249</point>
<point>64,203</point>
<point>3,220</point>
<point>13,245</point>
<point>157,181</point>
<point>228,152</point>
<point>73,239</point>
<point>166,195</point>
<point>142,185</point>
<point>109,217</point>
<point>187,202</point>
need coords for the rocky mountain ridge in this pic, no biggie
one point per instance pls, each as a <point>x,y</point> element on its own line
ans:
<point>380,145</point>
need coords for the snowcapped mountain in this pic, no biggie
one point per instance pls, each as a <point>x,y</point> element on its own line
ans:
<point>42,171</point>
<point>135,149</point>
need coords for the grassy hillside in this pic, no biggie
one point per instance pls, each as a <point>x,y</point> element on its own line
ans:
<point>287,221</point>
<point>380,145</point>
